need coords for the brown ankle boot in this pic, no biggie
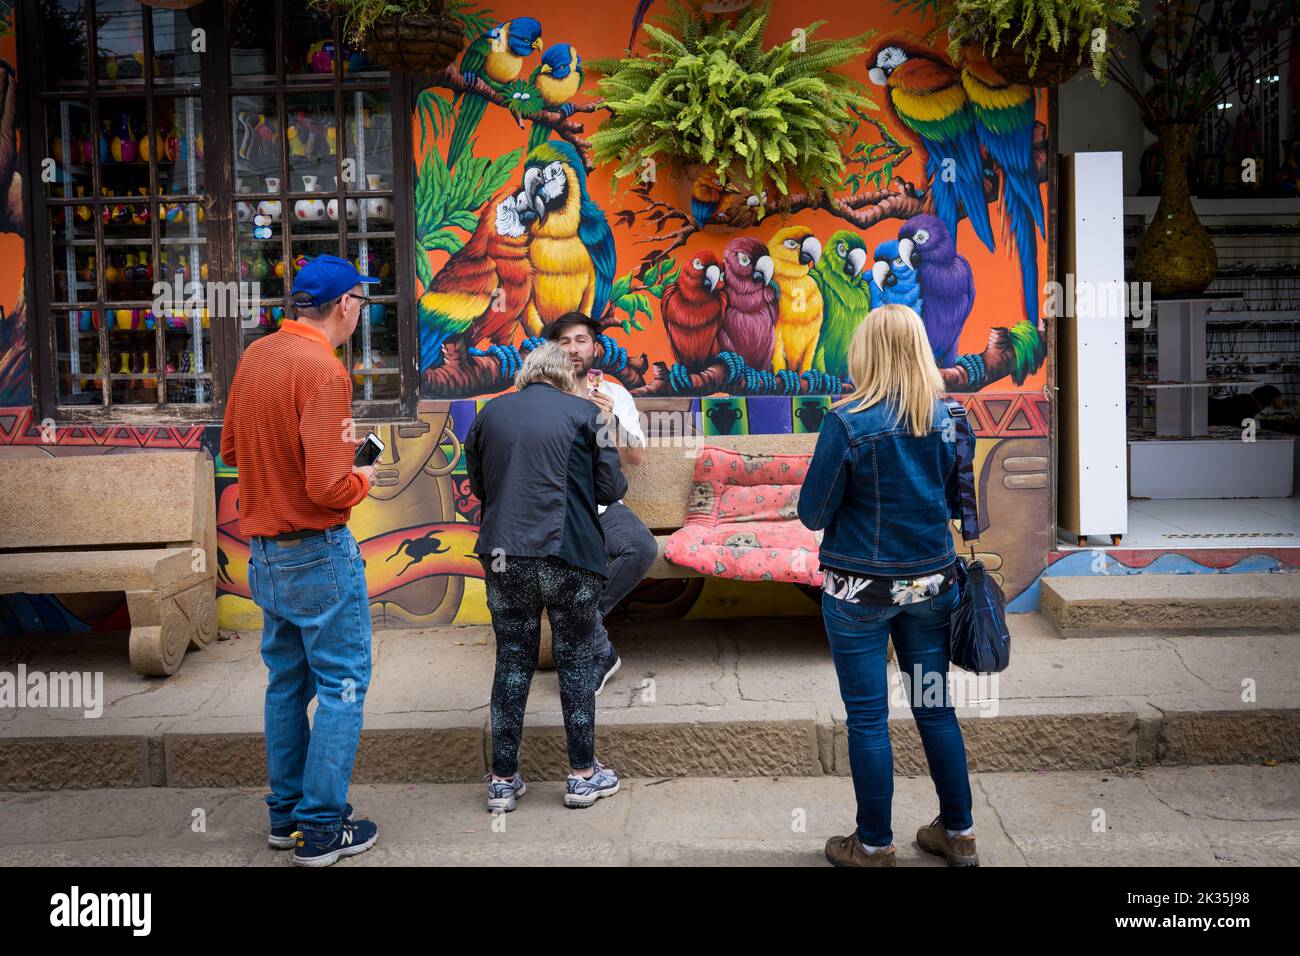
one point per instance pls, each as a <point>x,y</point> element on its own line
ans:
<point>847,851</point>
<point>958,850</point>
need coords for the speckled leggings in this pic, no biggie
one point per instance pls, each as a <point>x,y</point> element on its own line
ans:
<point>516,595</point>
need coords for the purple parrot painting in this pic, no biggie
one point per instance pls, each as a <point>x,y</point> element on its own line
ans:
<point>947,283</point>
<point>749,324</point>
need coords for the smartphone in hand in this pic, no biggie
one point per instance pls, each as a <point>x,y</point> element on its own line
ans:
<point>368,451</point>
<point>594,377</point>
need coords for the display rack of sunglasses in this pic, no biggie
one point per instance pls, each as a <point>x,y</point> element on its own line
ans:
<point>1252,337</point>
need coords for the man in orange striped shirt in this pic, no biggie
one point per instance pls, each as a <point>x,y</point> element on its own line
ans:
<point>288,433</point>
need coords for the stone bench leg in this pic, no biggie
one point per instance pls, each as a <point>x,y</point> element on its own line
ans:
<point>199,604</point>
<point>162,628</point>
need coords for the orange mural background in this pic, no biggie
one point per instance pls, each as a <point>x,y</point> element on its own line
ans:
<point>603,32</point>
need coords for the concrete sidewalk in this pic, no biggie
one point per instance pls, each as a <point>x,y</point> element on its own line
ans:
<point>727,698</point>
<point>1195,816</point>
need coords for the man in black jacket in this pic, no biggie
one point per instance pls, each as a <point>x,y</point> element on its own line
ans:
<point>540,462</point>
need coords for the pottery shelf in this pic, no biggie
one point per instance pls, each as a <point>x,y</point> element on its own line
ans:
<point>1208,383</point>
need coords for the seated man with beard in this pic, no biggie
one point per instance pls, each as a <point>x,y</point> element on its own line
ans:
<point>629,545</point>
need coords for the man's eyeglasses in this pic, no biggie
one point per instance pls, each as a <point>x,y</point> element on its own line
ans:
<point>363,299</point>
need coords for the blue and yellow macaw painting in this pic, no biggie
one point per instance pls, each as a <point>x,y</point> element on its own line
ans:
<point>572,250</point>
<point>941,209</point>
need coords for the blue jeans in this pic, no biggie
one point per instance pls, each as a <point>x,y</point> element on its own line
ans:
<point>630,549</point>
<point>316,643</point>
<point>857,636</point>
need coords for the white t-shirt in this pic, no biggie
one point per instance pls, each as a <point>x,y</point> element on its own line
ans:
<point>626,413</point>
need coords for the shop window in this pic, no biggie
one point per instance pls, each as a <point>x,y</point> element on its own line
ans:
<point>186,164</point>
<point>313,144</point>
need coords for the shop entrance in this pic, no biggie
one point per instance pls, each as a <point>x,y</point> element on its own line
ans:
<point>1213,393</point>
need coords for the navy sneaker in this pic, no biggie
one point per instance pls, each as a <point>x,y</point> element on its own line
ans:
<point>325,847</point>
<point>582,792</point>
<point>502,793</point>
<point>606,667</point>
<point>282,837</point>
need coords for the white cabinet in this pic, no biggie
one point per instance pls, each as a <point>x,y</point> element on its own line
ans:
<point>1092,487</point>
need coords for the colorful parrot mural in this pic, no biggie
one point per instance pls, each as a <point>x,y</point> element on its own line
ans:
<point>572,248</point>
<point>557,79</point>
<point>946,281</point>
<point>706,197</point>
<point>893,280</point>
<point>924,92</point>
<point>693,307</point>
<point>484,287</point>
<point>773,308</point>
<point>794,251</point>
<point>844,278</point>
<point>749,320</point>
<point>496,57</point>
<point>1004,120</point>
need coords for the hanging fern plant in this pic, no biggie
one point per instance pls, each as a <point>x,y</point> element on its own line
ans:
<point>707,92</point>
<point>1040,41</point>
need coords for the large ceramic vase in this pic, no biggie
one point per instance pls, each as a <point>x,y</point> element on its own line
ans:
<point>1176,254</point>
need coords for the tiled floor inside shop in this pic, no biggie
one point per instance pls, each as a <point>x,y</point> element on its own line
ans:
<point>1206,523</point>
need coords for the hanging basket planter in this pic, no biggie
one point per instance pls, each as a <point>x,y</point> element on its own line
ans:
<point>1053,68</point>
<point>420,43</point>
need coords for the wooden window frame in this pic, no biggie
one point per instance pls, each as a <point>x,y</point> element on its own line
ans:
<point>216,95</point>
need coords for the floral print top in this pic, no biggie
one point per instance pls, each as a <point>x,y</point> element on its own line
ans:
<point>855,588</point>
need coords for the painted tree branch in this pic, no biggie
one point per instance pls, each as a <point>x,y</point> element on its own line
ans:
<point>569,129</point>
<point>901,200</point>
<point>862,209</point>
<point>463,374</point>
<point>705,382</point>
<point>999,359</point>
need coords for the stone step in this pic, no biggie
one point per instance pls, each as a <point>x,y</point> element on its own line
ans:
<point>1171,604</point>
<point>745,698</point>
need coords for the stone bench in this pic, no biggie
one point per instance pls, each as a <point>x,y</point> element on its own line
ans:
<point>142,522</point>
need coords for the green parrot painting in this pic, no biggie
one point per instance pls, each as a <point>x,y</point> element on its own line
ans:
<point>844,278</point>
<point>496,58</point>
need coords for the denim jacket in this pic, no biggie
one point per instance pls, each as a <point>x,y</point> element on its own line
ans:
<point>883,495</point>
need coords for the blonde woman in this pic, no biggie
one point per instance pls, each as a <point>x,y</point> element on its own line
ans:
<point>540,463</point>
<point>883,485</point>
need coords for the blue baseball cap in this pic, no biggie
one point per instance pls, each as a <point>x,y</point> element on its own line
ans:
<point>325,278</point>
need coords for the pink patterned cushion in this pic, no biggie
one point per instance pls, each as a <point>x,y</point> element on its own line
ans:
<point>742,521</point>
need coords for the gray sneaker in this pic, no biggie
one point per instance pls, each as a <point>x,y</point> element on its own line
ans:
<point>582,792</point>
<point>503,793</point>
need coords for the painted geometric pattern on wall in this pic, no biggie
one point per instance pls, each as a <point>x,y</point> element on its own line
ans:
<point>996,415</point>
<point>18,427</point>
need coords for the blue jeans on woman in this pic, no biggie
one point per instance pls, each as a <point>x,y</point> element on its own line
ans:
<point>858,635</point>
<point>315,643</point>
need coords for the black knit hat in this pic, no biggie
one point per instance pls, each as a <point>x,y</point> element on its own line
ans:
<point>570,319</point>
